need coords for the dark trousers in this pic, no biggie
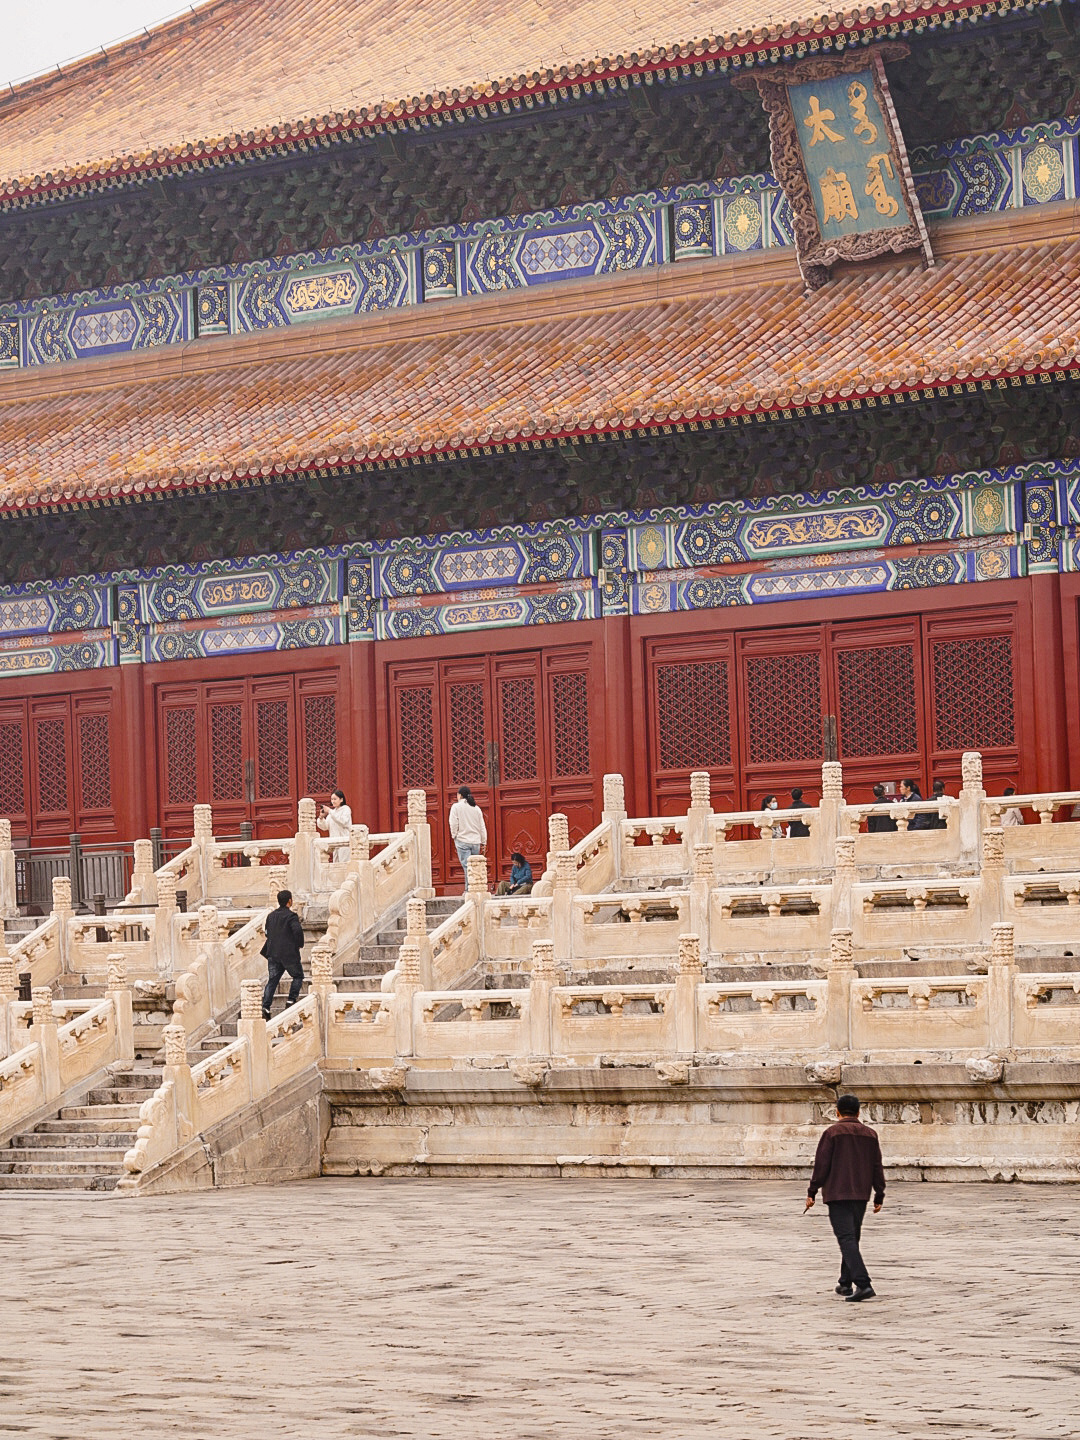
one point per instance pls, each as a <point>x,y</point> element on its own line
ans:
<point>275,969</point>
<point>846,1217</point>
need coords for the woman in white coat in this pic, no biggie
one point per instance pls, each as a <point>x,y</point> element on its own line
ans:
<point>337,822</point>
<point>467,828</point>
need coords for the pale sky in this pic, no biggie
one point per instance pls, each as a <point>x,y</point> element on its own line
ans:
<point>40,34</point>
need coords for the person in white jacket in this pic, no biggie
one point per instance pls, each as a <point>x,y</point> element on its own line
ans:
<point>467,828</point>
<point>337,822</point>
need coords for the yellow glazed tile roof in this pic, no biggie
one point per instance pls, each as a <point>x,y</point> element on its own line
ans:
<point>248,76</point>
<point>515,370</point>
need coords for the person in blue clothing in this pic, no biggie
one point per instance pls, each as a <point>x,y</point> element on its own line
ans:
<point>521,877</point>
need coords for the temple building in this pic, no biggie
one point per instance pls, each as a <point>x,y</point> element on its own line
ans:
<point>535,393</point>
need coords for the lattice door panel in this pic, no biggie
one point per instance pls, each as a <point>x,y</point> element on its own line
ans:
<point>50,748</point>
<point>13,777</point>
<point>570,723</point>
<point>782,708</point>
<point>517,728</point>
<point>273,751</point>
<point>415,738</point>
<point>181,755</point>
<point>95,761</point>
<point>973,687</point>
<point>466,705</point>
<point>320,744</point>
<point>226,737</point>
<point>692,715</point>
<point>878,701</point>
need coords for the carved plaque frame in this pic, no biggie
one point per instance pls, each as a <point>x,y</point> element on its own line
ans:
<point>817,253</point>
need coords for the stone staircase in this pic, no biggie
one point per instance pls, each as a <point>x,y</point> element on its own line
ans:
<point>83,1147</point>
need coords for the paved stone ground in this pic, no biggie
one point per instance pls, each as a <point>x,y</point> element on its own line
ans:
<point>537,1310</point>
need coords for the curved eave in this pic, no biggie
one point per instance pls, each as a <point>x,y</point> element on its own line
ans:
<point>766,45</point>
<point>710,345</point>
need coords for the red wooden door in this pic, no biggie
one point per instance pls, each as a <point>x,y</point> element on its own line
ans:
<point>572,783</point>
<point>877,698</point>
<point>237,746</point>
<point>691,688</point>
<point>782,694</point>
<point>517,769</point>
<point>973,681</point>
<point>15,768</point>
<point>513,727</point>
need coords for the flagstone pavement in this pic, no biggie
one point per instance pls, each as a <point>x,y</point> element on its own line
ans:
<point>538,1310</point>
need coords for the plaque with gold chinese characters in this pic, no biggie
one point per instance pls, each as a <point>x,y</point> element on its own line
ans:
<point>838,153</point>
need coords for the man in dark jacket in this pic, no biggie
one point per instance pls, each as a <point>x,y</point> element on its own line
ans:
<point>879,824</point>
<point>284,939</point>
<point>797,828</point>
<point>847,1167</point>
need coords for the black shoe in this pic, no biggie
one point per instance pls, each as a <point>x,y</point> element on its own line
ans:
<point>844,1290</point>
<point>864,1292</point>
<point>266,1015</point>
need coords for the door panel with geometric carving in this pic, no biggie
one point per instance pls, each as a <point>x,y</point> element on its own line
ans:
<point>896,696</point>
<point>236,745</point>
<point>514,728</point>
<point>56,766</point>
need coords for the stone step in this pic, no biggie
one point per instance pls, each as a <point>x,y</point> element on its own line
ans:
<point>359,984</point>
<point>103,1112</point>
<point>61,1182</point>
<point>121,1094</point>
<point>92,1125</point>
<point>62,1160</point>
<point>74,1139</point>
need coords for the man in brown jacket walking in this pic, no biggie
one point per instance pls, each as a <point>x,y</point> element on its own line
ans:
<point>847,1167</point>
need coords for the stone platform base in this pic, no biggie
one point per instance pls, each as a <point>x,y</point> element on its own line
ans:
<point>935,1121</point>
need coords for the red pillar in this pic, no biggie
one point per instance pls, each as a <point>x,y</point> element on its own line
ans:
<point>1049,697</point>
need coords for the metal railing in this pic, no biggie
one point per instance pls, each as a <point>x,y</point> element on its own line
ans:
<point>93,870</point>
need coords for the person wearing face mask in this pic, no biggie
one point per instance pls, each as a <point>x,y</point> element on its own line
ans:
<point>770,803</point>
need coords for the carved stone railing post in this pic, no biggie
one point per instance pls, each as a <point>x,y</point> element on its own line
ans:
<point>543,977</point>
<point>613,815</point>
<point>302,860</point>
<point>143,886</point>
<point>210,944</point>
<point>827,829</point>
<point>178,1071</point>
<point>62,909</point>
<point>9,990</point>
<point>252,1028</point>
<point>1001,973</point>
<point>418,824</point>
<point>838,990</point>
<point>478,893</point>
<point>44,1033</point>
<point>558,838</point>
<point>164,937</point>
<point>7,871</point>
<point>405,990</point>
<point>564,888</point>
<point>972,796</point>
<point>697,817</point>
<point>360,861</point>
<point>322,982</point>
<point>120,995</point>
<point>702,879</point>
<point>686,983</point>
<point>203,839</point>
<point>843,880</point>
<point>277,879</point>
<point>416,929</point>
<point>992,877</point>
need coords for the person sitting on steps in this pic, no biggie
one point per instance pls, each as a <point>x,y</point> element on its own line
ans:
<point>521,877</point>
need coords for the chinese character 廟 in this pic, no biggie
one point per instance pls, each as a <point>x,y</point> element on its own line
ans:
<point>884,203</point>
<point>836,195</point>
<point>857,101</point>
<point>816,122</point>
